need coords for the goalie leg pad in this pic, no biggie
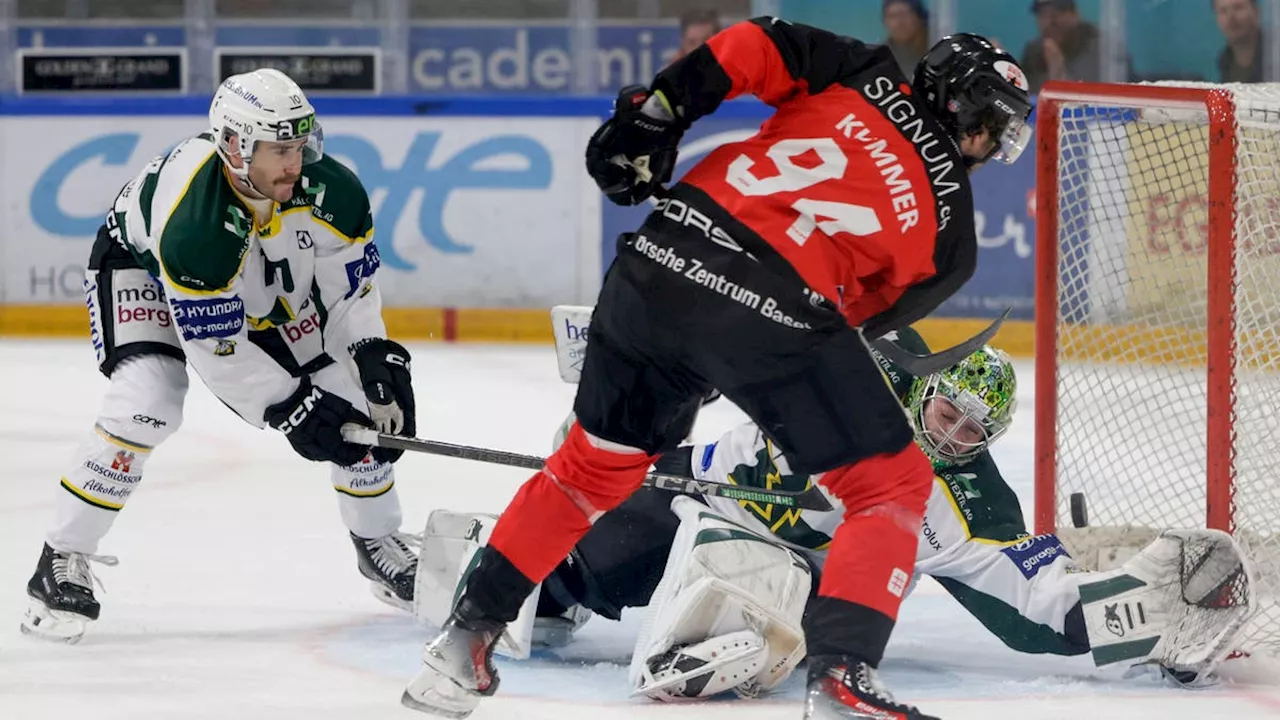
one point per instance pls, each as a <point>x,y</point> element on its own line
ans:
<point>721,580</point>
<point>706,668</point>
<point>570,325</point>
<point>1181,602</point>
<point>451,546</point>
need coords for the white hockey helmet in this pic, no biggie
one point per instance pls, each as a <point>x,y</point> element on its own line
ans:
<point>264,105</point>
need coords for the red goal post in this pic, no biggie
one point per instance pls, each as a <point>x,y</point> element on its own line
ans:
<point>1157,377</point>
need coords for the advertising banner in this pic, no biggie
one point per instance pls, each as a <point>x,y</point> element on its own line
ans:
<point>470,212</point>
<point>481,210</point>
<point>120,71</point>
<point>533,58</point>
<point>348,70</point>
<point>459,58</point>
<point>1004,218</point>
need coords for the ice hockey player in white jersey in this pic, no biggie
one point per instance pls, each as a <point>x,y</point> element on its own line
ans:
<point>248,254</point>
<point>726,582</point>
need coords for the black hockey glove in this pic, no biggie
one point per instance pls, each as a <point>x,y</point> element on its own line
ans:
<point>384,375</point>
<point>634,152</point>
<point>312,420</point>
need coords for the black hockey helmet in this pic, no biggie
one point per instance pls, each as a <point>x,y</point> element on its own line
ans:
<point>970,84</point>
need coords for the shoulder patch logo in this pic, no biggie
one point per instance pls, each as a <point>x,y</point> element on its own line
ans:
<point>237,222</point>
<point>304,240</point>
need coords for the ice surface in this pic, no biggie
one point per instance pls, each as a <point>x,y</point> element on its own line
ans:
<point>237,595</point>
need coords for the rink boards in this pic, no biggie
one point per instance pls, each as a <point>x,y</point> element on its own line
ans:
<point>484,216</point>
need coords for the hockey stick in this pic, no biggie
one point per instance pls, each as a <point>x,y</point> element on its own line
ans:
<point>930,363</point>
<point>810,498</point>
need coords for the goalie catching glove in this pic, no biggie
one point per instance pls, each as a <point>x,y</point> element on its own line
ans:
<point>388,386</point>
<point>634,152</point>
<point>1181,603</point>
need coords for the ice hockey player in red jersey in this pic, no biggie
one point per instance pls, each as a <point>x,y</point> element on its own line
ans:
<point>763,273</point>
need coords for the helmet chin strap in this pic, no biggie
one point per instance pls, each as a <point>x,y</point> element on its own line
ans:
<point>242,173</point>
<point>957,140</point>
<point>243,177</point>
<point>970,161</point>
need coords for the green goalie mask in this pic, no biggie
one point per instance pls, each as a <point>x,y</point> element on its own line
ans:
<point>960,411</point>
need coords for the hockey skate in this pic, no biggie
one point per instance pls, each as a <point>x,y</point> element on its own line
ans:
<point>841,689</point>
<point>557,631</point>
<point>61,591</point>
<point>391,565</point>
<point>457,670</point>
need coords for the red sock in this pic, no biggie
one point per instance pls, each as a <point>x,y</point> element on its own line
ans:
<point>555,508</point>
<point>873,552</point>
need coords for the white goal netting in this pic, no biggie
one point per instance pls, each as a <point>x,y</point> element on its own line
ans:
<point>1133,312</point>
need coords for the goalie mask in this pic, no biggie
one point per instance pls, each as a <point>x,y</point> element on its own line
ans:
<point>960,411</point>
<point>263,106</point>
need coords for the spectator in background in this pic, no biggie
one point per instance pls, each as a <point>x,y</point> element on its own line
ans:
<point>696,27</point>
<point>1242,58</point>
<point>1067,48</point>
<point>906,27</point>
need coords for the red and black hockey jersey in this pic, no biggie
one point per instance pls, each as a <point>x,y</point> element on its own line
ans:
<point>852,181</point>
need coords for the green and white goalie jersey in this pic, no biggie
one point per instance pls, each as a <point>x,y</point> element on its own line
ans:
<point>973,541</point>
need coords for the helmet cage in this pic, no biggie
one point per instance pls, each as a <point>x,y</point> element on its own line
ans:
<point>943,445</point>
<point>982,388</point>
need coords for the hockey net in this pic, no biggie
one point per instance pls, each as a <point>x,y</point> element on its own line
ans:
<point>1158,321</point>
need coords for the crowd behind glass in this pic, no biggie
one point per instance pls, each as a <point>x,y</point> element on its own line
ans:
<point>1209,40</point>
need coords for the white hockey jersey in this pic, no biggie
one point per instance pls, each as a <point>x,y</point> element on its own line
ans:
<point>255,306</point>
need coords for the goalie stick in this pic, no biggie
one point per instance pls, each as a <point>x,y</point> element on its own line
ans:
<point>811,498</point>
